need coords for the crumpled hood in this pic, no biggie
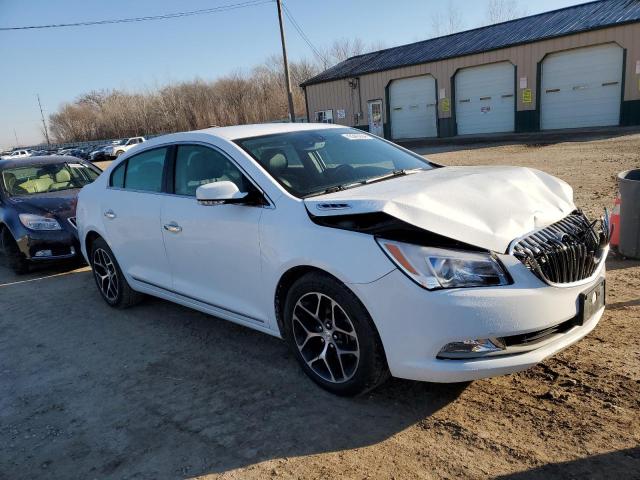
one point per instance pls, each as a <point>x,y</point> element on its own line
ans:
<point>483,206</point>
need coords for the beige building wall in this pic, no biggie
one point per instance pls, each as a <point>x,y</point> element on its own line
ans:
<point>338,95</point>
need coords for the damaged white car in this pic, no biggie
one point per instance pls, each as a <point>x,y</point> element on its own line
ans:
<point>366,258</point>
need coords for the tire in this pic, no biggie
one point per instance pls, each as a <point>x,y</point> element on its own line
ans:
<point>15,259</point>
<point>111,283</point>
<point>118,153</point>
<point>322,315</point>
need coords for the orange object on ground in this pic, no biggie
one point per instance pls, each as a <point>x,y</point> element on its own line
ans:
<point>614,220</point>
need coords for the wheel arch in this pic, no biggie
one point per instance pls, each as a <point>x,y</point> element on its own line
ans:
<point>289,277</point>
<point>89,238</point>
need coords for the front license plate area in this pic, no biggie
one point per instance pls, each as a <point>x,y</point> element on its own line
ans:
<point>591,301</point>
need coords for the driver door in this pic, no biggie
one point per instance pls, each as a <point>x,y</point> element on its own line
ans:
<point>213,250</point>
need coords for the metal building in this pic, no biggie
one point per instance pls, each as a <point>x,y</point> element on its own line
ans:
<point>570,68</point>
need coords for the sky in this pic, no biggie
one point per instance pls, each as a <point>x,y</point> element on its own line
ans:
<point>61,64</point>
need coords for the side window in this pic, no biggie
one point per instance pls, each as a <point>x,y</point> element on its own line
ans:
<point>144,171</point>
<point>197,165</point>
<point>117,176</point>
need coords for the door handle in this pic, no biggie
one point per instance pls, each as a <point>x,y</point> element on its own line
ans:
<point>110,214</point>
<point>173,227</point>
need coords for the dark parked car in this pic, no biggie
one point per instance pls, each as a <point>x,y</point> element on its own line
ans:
<point>38,197</point>
<point>101,153</point>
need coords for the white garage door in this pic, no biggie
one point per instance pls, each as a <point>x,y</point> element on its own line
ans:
<point>485,99</point>
<point>581,88</point>
<point>413,107</point>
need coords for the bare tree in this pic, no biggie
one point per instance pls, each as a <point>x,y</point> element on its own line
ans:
<point>504,10</point>
<point>451,21</point>
<point>237,98</point>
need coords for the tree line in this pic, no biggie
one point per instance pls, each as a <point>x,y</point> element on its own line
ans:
<point>238,98</point>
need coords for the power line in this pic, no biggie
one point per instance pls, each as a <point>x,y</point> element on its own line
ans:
<point>204,11</point>
<point>304,37</point>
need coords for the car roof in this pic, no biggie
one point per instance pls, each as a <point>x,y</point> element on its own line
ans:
<point>257,130</point>
<point>39,160</point>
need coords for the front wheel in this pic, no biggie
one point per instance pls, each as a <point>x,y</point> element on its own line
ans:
<point>14,257</point>
<point>111,283</point>
<point>119,152</point>
<point>333,336</point>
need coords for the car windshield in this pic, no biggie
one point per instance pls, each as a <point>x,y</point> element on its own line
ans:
<point>320,161</point>
<point>34,179</point>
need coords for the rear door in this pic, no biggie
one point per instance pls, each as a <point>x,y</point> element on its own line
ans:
<point>131,214</point>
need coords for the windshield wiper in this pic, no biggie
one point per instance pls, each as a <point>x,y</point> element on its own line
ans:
<point>395,173</point>
<point>344,186</point>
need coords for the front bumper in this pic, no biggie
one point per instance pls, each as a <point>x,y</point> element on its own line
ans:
<point>414,324</point>
<point>62,244</point>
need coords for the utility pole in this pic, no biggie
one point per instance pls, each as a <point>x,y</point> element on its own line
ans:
<point>287,79</point>
<point>16,135</point>
<point>44,124</point>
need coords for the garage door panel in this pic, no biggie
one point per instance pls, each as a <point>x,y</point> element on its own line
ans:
<point>413,107</point>
<point>582,88</point>
<point>485,99</point>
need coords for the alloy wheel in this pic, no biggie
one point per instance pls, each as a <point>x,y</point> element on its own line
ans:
<point>104,269</point>
<point>325,337</point>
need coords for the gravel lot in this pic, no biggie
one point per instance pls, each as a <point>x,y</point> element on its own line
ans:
<point>160,391</point>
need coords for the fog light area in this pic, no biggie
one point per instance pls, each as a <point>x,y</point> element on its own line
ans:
<point>471,348</point>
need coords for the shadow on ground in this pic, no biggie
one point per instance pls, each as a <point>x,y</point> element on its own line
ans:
<point>594,467</point>
<point>161,391</point>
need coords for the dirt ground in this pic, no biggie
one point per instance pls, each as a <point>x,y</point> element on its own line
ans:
<point>160,391</point>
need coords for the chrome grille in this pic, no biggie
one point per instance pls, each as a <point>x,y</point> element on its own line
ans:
<point>567,251</point>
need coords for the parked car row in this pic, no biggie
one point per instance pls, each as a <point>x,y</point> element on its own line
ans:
<point>366,258</point>
<point>94,153</point>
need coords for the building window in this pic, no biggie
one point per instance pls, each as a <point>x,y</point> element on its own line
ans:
<point>324,116</point>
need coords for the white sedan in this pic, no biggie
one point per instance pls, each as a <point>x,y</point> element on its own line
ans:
<point>366,258</point>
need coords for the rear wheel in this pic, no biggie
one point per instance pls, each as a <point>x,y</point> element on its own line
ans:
<point>111,282</point>
<point>333,336</point>
<point>14,258</point>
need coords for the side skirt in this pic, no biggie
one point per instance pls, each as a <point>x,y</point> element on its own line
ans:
<point>201,306</point>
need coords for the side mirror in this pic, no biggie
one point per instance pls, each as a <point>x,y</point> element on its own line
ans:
<point>219,192</point>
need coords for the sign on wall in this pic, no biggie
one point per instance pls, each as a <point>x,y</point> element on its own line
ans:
<point>341,113</point>
<point>523,82</point>
<point>445,106</point>
<point>526,95</point>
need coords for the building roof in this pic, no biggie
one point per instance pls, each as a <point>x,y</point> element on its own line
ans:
<point>557,23</point>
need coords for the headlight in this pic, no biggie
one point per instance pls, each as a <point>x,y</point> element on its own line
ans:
<point>38,222</point>
<point>434,268</point>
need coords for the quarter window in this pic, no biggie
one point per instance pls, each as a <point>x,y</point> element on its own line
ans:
<point>117,177</point>
<point>197,165</point>
<point>144,171</point>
